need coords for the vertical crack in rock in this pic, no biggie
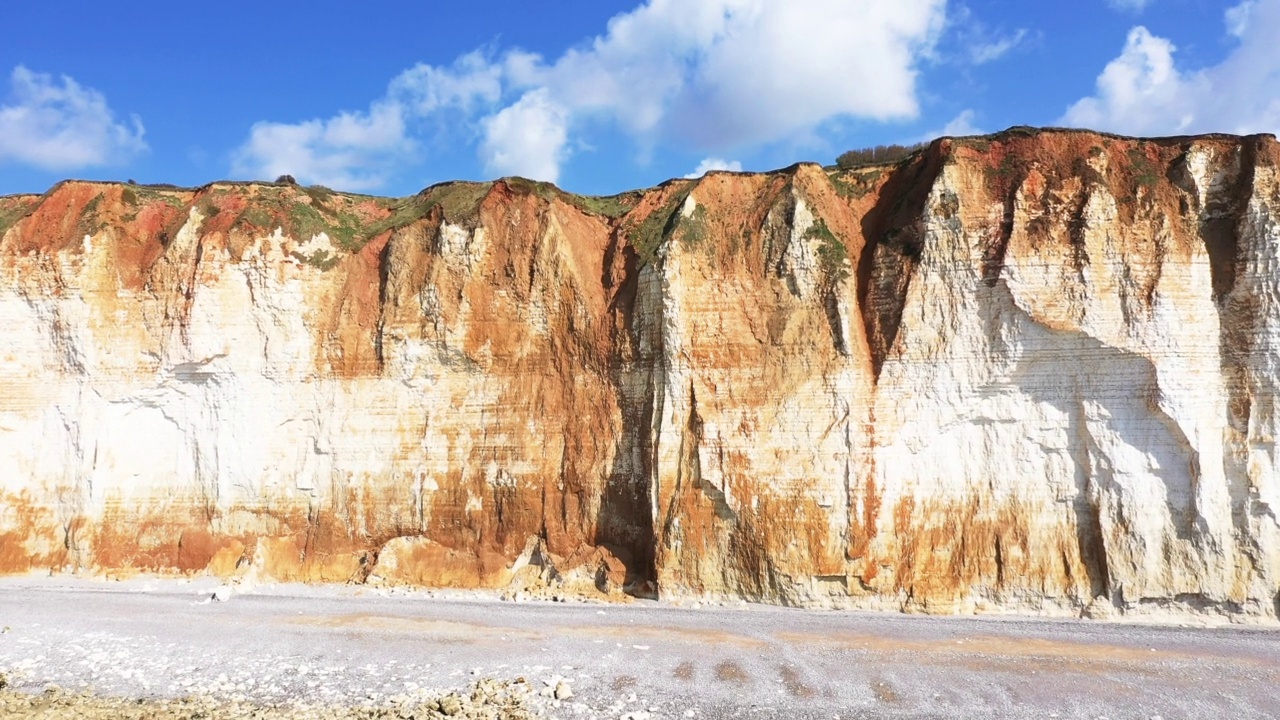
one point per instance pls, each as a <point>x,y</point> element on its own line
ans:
<point>1220,189</point>
<point>691,463</point>
<point>993,256</point>
<point>894,241</point>
<point>1087,509</point>
<point>1224,192</point>
<point>627,512</point>
<point>384,297</point>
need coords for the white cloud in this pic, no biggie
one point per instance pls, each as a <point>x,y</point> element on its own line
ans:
<point>996,48</point>
<point>1238,18</point>
<point>351,151</point>
<point>1140,92</point>
<point>1144,92</point>
<point>712,163</point>
<point>707,74</point>
<point>471,81</point>
<point>360,150</point>
<point>63,125</point>
<point>1133,6</point>
<point>717,74</point>
<point>958,126</point>
<point>971,41</point>
<point>767,74</point>
<point>527,138</point>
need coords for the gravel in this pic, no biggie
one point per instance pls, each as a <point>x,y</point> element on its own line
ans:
<point>486,700</point>
<point>164,649</point>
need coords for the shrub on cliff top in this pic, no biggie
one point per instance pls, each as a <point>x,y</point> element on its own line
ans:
<point>319,194</point>
<point>611,206</point>
<point>307,220</point>
<point>544,190</point>
<point>458,202</point>
<point>854,185</point>
<point>880,154</point>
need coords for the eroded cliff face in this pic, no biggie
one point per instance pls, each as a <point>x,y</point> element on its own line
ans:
<point>1029,372</point>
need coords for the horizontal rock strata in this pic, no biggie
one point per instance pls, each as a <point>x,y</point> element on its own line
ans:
<point>1029,372</point>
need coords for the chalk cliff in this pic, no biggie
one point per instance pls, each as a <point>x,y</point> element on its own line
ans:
<point>1029,372</point>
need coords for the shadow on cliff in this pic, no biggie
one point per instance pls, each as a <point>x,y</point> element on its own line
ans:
<point>894,238</point>
<point>1122,446</point>
<point>1241,330</point>
<point>625,520</point>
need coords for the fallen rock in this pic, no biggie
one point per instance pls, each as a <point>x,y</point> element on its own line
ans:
<point>451,705</point>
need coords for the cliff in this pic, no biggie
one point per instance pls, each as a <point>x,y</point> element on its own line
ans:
<point>1030,372</point>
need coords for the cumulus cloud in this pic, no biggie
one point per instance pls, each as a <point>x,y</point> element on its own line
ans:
<point>712,163</point>
<point>718,74</point>
<point>60,125</point>
<point>359,150</point>
<point>958,126</point>
<point>1144,92</point>
<point>472,81</point>
<point>766,71</point>
<point>703,74</point>
<point>527,138</point>
<point>352,150</point>
<point>1140,92</point>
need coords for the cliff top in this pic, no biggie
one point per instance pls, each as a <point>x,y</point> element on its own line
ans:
<point>8,202</point>
<point>152,214</point>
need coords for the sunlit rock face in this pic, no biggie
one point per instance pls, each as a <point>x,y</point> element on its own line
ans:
<point>1032,372</point>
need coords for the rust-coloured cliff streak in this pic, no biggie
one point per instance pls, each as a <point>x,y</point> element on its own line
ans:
<point>1031,372</point>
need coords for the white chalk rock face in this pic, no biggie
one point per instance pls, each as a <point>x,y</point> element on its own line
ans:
<point>1034,372</point>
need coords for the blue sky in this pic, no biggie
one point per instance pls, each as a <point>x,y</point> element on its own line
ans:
<point>600,96</point>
